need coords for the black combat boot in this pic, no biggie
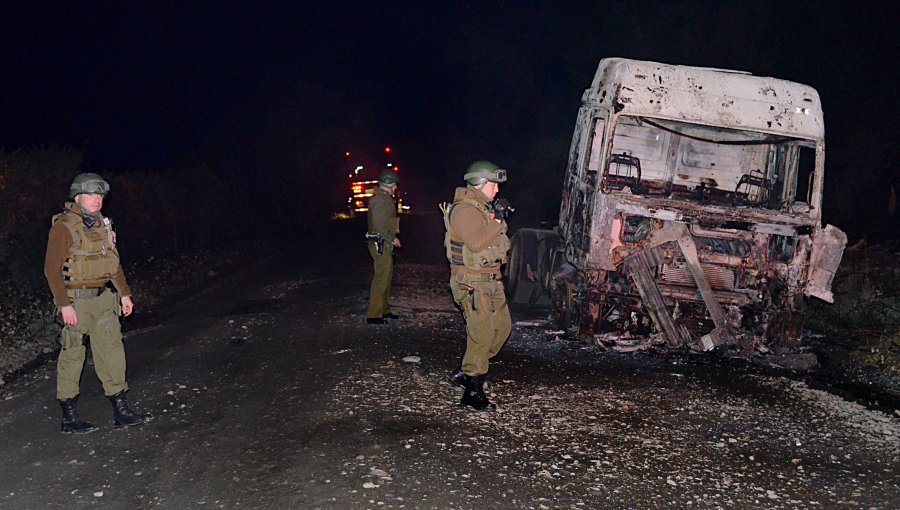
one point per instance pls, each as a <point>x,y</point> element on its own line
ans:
<point>71,423</point>
<point>458,378</point>
<point>125,417</point>
<point>474,395</point>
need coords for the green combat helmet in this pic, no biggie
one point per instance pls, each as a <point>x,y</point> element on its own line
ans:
<point>88,183</point>
<point>388,177</point>
<point>482,171</point>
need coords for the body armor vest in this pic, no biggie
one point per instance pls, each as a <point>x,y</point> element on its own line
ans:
<point>458,254</point>
<point>93,258</point>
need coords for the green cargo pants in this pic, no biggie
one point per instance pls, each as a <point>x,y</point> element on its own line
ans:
<point>488,323</point>
<point>98,317</point>
<point>380,290</point>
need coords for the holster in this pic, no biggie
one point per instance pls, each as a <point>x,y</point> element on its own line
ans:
<point>378,240</point>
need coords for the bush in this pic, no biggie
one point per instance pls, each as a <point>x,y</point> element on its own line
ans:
<point>32,183</point>
<point>865,316</point>
<point>162,221</point>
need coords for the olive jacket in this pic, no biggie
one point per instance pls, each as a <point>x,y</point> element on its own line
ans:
<point>59,243</point>
<point>382,216</point>
<point>471,225</point>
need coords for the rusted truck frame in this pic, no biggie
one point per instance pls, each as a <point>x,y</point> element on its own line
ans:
<point>691,211</point>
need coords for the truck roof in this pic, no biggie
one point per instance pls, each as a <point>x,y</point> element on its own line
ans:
<point>715,97</point>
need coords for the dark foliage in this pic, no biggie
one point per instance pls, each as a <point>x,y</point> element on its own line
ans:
<point>154,214</point>
<point>865,316</point>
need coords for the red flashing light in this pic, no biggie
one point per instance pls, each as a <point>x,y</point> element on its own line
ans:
<point>387,149</point>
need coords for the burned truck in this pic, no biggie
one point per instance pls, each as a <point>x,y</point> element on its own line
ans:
<point>691,211</point>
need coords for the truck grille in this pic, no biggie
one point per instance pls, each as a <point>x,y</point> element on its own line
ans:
<point>719,277</point>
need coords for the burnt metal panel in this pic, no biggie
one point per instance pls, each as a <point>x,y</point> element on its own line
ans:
<point>827,250</point>
<point>642,275</point>
<point>714,97</point>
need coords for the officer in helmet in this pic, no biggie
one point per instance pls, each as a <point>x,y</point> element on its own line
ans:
<point>477,246</point>
<point>89,289</point>
<point>384,225</point>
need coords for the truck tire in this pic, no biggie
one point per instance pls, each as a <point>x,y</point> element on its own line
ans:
<point>563,298</point>
<point>515,267</point>
<point>528,260</point>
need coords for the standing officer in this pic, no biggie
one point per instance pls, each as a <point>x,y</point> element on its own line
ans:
<point>81,263</point>
<point>384,225</point>
<point>477,246</point>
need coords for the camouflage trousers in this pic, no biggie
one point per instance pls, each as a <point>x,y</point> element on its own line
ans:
<point>488,323</point>
<point>98,318</point>
<point>380,290</point>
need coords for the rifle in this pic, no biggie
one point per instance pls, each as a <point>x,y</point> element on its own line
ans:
<point>502,208</point>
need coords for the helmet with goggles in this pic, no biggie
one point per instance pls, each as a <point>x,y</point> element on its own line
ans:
<point>388,177</point>
<point>88,183</point>
<point>480,172</point>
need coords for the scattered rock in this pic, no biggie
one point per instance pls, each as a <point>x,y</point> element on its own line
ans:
<point>380,473</point>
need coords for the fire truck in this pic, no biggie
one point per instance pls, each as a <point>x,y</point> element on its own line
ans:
<point>362,178</point>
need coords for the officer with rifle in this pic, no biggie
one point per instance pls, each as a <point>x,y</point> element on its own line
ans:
<point>477,246</point>
<point>384,225</point>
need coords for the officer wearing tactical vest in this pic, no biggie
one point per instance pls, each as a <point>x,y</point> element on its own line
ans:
<point>384,225</point>
<point>81,264</point>
<point>477,246</point>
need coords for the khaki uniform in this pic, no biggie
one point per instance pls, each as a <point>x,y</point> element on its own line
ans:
<point>477,247</point>
<point>80,265</point>
<point>382,219</point>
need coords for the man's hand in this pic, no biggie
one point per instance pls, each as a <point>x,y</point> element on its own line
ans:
<point>69,317</point>
<point>396,243</point>
<point>127,306</point>
<point>502,209</point>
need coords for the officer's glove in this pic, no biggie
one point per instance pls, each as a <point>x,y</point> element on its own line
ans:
<point>502,209</point>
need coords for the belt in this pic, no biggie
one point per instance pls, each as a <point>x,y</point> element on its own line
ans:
<point>86,293</point>
<point>485,277</point>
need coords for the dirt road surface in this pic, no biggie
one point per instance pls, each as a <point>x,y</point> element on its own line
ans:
<point>270,391</point>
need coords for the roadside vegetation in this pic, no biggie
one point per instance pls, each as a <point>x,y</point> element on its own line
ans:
<point>864,320</point>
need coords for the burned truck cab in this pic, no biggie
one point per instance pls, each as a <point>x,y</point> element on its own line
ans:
<point>691,208</point>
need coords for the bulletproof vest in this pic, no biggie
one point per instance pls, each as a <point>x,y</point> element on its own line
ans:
<point>93,258</point>
<point>458,254</point>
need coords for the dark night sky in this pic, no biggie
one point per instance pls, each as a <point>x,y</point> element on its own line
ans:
<point>281,87</point>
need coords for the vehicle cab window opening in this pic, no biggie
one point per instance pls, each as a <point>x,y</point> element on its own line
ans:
<point>705,163</point>
<point>594,154</point>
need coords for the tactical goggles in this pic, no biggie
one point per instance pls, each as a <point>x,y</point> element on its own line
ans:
<point>498,175</point>
<point>95,187</point>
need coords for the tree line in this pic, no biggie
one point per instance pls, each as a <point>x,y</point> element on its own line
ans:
<point>153,213</point>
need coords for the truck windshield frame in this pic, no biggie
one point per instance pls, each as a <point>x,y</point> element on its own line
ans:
<point>707,164</point>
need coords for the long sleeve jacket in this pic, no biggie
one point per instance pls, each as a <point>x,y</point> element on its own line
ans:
<point>382,216</point>
<point>59,243</point>
<point>473,225</point>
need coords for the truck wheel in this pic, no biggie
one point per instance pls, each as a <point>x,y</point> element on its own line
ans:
<point>564,304</point>
<point>523,251</point>
<point>511,275</point>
